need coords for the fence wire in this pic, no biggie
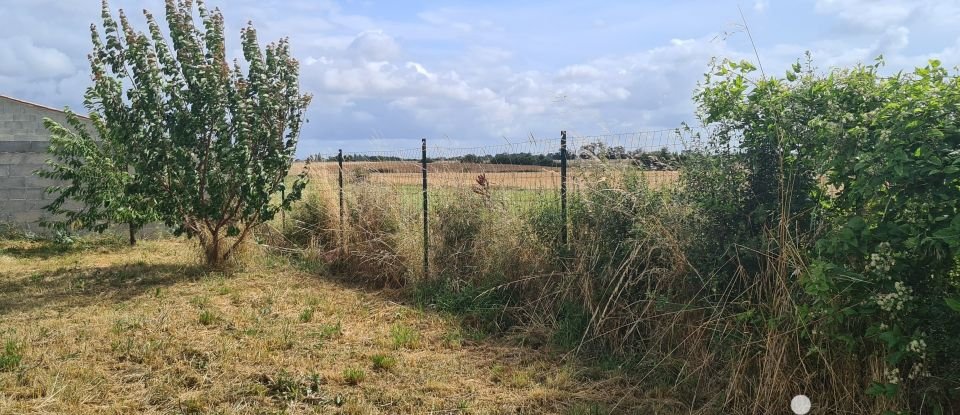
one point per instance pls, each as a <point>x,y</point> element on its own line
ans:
<point>515,176</point>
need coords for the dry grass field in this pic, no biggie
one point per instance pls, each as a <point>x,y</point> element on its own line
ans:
<point>101,328</point>
<point>464,175</point>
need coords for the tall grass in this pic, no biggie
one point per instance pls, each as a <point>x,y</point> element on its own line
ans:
<point>641,279</point>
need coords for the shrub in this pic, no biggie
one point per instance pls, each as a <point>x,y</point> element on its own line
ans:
<point>875,303</point>
<point>887,271</point>
<point>95,170</point>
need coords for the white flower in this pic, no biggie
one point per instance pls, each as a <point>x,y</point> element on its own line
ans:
<point>892,375</point>
<point>895,300</point>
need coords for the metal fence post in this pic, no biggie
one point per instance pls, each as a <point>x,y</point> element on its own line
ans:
<point>340,186</point>
<point>283,212</point>
<point>426,240</point>
<point>563,185</point>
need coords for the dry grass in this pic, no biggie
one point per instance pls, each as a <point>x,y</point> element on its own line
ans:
<point>464,175</point>
<point>111,329</point>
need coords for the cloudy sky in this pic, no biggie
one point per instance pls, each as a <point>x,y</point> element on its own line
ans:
<point>384,73</point>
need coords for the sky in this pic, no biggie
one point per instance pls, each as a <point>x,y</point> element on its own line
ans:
<point>383,74</point>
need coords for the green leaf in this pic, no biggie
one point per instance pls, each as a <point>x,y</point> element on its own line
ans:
<point>953,303</point>
<point>890,337</point>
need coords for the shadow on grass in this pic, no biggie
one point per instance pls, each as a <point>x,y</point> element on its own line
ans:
<point>81,286</point>
<point>481,311</point>
<point>45,249</point>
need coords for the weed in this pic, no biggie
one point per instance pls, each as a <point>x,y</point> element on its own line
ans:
<point>286,339</point>
<point>353,376</point>
<point>383,362</point>
<point>327,331</point>
<point>404,337</point>
<point>11,357</point>
<point>306,315</point>
<point>480,305</point>
<point>208,317</point>
<point>284,386</point>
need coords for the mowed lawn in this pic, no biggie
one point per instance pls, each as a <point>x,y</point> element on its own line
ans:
<point>101,328</point>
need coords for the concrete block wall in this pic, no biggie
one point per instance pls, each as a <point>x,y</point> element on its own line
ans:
<point>23,151</point>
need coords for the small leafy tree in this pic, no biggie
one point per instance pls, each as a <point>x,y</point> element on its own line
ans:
<point>211,143</point>
<point>96,176</point>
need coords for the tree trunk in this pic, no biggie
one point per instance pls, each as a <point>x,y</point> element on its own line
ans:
<point>133,233</point>
<point>213,251</point>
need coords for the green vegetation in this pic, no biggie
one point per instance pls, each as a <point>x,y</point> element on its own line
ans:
<point>306,315</point>
<point>404,337</point>
<point>353,376</point>
<point>187,140</point>
<point>97,172</point>
<point>11,357</point>
<point>207,317</point>
<point>383,362</point>
<point>810,244</point>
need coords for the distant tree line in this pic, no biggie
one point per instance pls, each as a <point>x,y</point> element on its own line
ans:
<point>356,157</point>
<point>662,159</point>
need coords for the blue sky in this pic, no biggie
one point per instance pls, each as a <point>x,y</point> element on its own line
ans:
<point>383,74</point>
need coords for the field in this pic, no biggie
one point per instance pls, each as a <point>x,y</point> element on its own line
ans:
<point>103,328</point>
<point>464,175</point>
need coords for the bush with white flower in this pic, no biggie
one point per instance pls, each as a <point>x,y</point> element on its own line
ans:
<point>885,275</point>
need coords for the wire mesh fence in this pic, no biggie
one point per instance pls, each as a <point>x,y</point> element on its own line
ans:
<point>414,183</point>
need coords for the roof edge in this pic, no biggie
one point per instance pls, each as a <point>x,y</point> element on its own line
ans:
<point>35,105</point>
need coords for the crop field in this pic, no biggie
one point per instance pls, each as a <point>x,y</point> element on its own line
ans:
<point>465,175</point>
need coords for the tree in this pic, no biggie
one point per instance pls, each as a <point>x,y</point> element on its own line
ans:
<point>211,143</point>
<point>95,174</point>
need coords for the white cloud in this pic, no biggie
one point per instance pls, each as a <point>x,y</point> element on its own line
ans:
<point>374,46</point>
<point>476,72</point>
<point>872,14</point>
<point>579,71</point>
<point>21,58</point>
<point>421,70</point>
